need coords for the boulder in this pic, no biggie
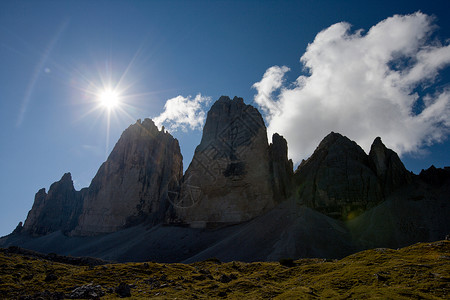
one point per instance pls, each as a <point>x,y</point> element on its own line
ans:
<point>88,291</point>
<point>123,290</point>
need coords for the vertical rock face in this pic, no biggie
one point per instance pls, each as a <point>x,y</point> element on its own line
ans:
<point>436,176</point>
<point>57,210</point>
<point>389,168</point>
<point>228,180</point>
<point>342,181</point>
<point>337,179</point>
<point>281,168</point>
<point>133,184</point>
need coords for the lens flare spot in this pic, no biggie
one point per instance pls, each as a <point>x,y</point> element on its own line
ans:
<point>109,98</point>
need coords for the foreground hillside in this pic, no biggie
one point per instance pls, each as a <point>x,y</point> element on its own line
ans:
<point>421,271</point>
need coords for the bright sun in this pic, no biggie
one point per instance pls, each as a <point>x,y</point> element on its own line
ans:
<point>109,98</point>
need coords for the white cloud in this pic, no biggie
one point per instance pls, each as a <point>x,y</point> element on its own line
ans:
<point>272,81</point>
<point>363,85</point>
<point>183,113</point>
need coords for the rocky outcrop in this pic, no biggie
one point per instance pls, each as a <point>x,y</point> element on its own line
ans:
<point>436,176</point>
<point>57,210</point>
<point>132,185</point>
<point>281,168</point>
<point>390,170</point>
<point>229,179</point>
<point>236,176</point>
<point>342,181</point>
<point>337,180</point>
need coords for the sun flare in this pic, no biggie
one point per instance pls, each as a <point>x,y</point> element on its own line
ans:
<point>109,98</point>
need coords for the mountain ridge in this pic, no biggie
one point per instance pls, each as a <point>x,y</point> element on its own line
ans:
<point>239,199</point>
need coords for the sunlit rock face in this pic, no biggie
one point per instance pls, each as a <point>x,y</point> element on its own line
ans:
<point>229,179</point>
<point>342,181</point>
<point>132,185</point>
<point>57,210</point>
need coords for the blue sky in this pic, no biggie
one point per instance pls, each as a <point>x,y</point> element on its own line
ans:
<point>56,55</point>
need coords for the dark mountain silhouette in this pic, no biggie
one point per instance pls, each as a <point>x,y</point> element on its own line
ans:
<point>238,200</point>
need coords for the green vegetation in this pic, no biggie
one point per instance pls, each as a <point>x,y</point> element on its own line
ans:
<point>421,271</point>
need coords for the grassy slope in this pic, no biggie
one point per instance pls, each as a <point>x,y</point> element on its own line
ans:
<point>418,271</point>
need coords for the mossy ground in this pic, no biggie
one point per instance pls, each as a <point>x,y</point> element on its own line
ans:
<point>421,271</point>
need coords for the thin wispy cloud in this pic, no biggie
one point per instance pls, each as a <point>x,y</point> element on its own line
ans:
<point>363,85</point>
<point>183,113</point>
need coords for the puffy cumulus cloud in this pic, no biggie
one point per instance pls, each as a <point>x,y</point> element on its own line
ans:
<point>183,113</point>
<point>363,85</point>
<point>271,81</point>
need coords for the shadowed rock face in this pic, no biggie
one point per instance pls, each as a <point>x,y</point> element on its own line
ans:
<point>436,176</point>
<point>342,181</point>
<point>388,167</point>
<point>133,184</point>
<point>57,210</point>
<point>236,176</point>
<point>281,168</point>
<point>229,179</point>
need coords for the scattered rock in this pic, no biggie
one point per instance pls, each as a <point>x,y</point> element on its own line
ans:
<point>123,290</point>
<point>77,261</point>
<point>381,277</point>
<point>88,291</point>
<point>199,277</point>
<point>28,277</point>
<point>222,294</point>
<point>43,296</point>
<point>225,279</point>
<point>51,277</point>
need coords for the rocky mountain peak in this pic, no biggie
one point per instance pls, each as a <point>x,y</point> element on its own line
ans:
<point>337,143</point>
<point>229,179</point>
<point>337,179</point>
<point>330,139</point>
<point>388,167</point>
<point>379,156</point>
<point>435,176</point>
<point>281,168</point>
<point>133,184</point>
<point>67,177</point>
<point>225,116</point>
<point>235,176</point>
<point>57,210</point>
